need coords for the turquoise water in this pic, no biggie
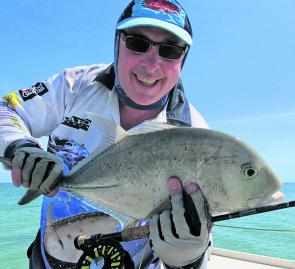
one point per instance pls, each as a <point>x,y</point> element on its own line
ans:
<point>279,244</point>
<point>19,224</point>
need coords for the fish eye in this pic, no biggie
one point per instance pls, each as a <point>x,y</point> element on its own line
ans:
<point>248,171</point>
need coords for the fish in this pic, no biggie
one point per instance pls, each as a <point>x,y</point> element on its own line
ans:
<point>128,171</point>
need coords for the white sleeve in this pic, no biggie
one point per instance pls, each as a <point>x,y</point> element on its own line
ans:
<point>197,120</point>
<point>37,111</point>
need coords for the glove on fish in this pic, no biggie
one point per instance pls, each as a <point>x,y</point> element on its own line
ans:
<point>36,169</point>
<point>181,236</point>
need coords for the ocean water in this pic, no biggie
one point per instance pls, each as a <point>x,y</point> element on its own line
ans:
<point>274,237</point>
<point>19,225</point>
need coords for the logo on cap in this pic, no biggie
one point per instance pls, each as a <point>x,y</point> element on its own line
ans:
<point>161,5</point>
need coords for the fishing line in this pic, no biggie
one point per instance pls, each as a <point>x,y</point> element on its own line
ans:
<point>255,229</point>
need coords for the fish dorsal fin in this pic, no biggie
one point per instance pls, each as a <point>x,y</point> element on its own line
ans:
<point>110,132</point>
<point>149,126</point>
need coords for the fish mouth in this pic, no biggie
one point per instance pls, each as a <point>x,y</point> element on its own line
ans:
<point>260,201</point>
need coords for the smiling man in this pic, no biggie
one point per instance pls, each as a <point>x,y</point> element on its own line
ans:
<point>146,76</point>
<point>143,84</point>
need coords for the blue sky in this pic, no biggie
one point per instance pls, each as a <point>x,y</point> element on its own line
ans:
<point>240,73</point>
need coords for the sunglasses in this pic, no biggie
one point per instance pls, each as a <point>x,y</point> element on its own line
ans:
<point>141,45</point>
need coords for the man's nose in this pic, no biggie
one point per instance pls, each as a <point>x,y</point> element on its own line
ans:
<point>152,60</point>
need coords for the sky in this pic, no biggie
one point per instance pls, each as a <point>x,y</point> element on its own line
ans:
<point>240,72</point>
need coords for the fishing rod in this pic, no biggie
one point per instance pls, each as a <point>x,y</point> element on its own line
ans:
<point>107,246</point>
<point>253,211</point>
<point>130,234</point>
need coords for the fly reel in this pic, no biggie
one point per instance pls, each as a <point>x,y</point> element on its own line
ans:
<point>94,249</point>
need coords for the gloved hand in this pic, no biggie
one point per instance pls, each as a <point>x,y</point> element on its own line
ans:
<point>181,236</point>
<point>36,169</point>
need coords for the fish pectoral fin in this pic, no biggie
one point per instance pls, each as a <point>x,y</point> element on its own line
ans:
<point>29,196</point>
<point>7,162</point>
<point>110,132</point>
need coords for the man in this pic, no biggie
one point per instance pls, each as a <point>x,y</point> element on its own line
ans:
<point>151,43</point>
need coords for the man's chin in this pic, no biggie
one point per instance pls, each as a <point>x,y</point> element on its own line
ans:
<point>145,101</point>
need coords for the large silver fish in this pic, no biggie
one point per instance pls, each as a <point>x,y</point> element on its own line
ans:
<point>128,173</point>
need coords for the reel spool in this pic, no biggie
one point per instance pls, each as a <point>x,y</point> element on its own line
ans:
<point>107,246</point>
<point>110,250</point>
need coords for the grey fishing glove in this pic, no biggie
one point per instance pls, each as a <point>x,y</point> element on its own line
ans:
<point>36,169</point>
<point>181,236</point>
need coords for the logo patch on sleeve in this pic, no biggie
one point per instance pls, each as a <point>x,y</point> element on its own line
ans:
<point>12,99</point>
<point>77,123</point>
<point>37,89</point>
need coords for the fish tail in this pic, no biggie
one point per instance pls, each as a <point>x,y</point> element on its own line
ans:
<point>29,196</point>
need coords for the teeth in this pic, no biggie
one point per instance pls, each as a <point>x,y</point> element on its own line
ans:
<point>147,81</point>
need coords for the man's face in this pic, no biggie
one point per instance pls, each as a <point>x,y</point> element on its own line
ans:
<point>146,77</point>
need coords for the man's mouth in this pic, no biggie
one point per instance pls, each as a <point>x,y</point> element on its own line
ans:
<point>148,82</point>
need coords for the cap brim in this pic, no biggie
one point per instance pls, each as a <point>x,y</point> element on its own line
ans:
<point>172,28</point>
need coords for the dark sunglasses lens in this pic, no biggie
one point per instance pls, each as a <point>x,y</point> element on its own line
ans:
<point>137,44</point>
<point>170,52</point>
